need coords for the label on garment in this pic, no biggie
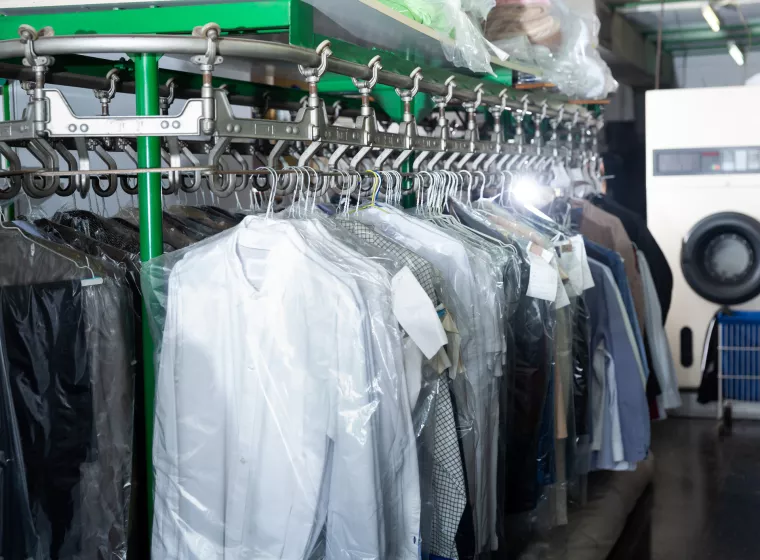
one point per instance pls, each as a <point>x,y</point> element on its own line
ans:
<point>540,251</point>
<point>542,283</point>
<point>571,264</point>
<point>97,281</point>
<point>562,298</point>
<point>580,249</point>
<point>416,314</point>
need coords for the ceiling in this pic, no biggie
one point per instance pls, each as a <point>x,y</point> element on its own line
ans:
<point>684,29</point>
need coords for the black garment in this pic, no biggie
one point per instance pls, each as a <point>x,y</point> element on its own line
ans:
<point>527,424</point>
<point>637,230</point>
<point>50,382</point>
<point>528,390</point>
<point>100,229</point>
<point>18,537</point>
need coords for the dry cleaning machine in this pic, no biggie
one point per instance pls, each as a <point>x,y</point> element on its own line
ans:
<point>703,207</point>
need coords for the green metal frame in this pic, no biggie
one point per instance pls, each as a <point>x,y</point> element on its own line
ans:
<point>151,233</point>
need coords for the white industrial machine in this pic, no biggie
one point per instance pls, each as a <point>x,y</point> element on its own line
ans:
<point>703,207</point>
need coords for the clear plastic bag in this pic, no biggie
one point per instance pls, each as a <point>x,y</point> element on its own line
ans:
<point>68,429</point>
<point>286,345</point>
<point>458,21</point>
<point>562,43</point>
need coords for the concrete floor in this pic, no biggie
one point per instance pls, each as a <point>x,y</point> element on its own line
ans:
<point>707,491</point>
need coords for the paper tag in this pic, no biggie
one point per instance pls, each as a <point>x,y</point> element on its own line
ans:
<point>542,283</point>
<point>92,282</point>
<point>580,248</point>
<point>540,251</point>
<point>416,314</point>
<point>571,264</point>
<point>562,297</point>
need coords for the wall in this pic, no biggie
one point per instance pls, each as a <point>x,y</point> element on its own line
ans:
<point>714,70</point>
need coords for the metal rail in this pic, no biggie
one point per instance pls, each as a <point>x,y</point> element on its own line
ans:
<point>252,49</point>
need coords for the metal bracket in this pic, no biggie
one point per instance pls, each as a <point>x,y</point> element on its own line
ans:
<point>63,121</point>
<point>307,119</point>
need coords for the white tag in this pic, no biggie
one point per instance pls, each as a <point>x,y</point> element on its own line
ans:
<point>416,314</point>
<point>542,283</point>
<point>92,282</point>
<point>562,298</point>
<point>571,264</point>
<point>540,251</point>
<point>588,280</point>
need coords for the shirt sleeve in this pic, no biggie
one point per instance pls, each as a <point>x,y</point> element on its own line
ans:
<point>355,515</point>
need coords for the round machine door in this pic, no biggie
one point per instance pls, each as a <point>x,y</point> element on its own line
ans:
<point>720,258</point>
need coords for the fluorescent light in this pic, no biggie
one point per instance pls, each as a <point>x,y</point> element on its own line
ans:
<point>711,17</point>
<point>736,53</point>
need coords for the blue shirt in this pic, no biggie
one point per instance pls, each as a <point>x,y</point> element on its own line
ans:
<point>614,262</point>
<point>608,324</point>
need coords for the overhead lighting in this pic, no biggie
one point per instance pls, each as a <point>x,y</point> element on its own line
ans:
<point>711,17</point>
<point>736,53</point>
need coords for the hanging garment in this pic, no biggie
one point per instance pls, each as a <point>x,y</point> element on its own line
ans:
<point>582,382</point>
<point>71,378</point>
<point>443,491</point>
<point>637,230</point>
<point>614,264</point>
<point>18,535</point>
<point>610,323</point>
<point>312,376</point>
<point>662,359</point>
<point>607,230</point>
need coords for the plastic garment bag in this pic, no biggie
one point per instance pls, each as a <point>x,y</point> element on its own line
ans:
<point>70,375</point>
<point>267,342</point>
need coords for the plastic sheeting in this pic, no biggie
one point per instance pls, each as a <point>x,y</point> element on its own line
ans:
<point>459,21</point>
<point>289,345</point>
<point>67,365</point>
<point>560,42</point>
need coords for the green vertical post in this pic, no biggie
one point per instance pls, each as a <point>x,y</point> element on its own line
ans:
<point>10,212</point>
<point>151,234</point>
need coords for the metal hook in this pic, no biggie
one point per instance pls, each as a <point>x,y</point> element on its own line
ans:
<point>111,180</point>
<point>367,85</point>
<point>166,102</point>
<point>106,95</point>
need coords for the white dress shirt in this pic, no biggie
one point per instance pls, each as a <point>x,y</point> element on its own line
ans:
<point>265,418</point>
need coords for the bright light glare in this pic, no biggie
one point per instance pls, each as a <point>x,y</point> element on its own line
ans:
<point>711,17</point>
<point>736,53</point>
<point>526,190</point>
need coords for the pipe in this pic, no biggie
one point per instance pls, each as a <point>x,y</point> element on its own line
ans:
<point>255,50</point>
<point>151,235</point>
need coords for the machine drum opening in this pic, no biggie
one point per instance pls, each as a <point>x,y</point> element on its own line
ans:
<point>720,258</point>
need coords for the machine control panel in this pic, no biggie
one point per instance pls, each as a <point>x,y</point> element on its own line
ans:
<point>707,161</point>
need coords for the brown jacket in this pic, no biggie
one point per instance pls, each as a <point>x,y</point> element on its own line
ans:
<point>605,229</point>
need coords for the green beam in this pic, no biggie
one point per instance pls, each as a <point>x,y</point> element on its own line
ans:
<point>704,33</point>
<point>232,17</point>
<point>151,236</point>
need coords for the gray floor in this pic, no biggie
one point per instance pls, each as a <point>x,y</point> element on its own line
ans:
<point>707,491</point>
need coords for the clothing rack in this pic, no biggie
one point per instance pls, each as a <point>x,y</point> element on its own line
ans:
<point>572,128</point>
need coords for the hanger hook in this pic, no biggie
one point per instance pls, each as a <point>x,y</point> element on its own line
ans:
<point>367,85</point>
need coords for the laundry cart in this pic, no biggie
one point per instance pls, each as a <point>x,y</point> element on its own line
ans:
<point>738,361</point>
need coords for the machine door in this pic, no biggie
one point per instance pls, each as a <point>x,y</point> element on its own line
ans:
<point>720,258</point>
